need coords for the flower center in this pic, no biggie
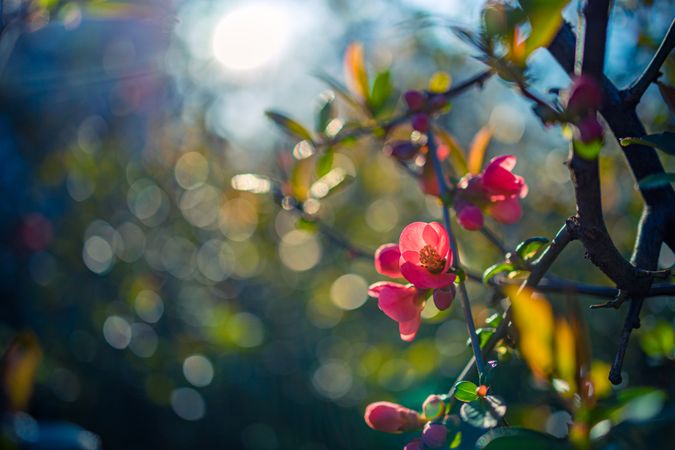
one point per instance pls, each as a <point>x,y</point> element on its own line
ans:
<point>430,260</point>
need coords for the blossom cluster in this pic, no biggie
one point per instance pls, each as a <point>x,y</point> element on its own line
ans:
<point>423,257</point>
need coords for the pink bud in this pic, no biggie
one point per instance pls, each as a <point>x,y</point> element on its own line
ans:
<point>433,407</point>
<point>391,418</point>
<point>589,129</point>
<point>585,95</point>
<point>420,122</point>
<point>470,217</point>
<point>401,150</point>
<point>414,99</point>
<point>387,259</point>
<point>415,444</point>
<point>434,435</point>
<point>443,297</point>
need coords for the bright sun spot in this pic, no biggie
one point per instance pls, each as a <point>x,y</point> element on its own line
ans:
<point>251,36</point>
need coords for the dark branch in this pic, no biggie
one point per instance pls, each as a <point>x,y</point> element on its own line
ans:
<point>652,72</point>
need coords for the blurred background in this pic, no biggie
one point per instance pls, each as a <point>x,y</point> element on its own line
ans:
<point>162,309</point>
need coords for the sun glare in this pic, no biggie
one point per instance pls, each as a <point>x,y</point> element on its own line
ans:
<point>251,36</point>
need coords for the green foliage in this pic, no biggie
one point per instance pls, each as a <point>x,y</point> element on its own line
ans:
<point>484,412</point>
<point>288,125</point>
<point>465,391</point>
<point>657,180</point>
<point>515,438</point>
<point>530,248</point>
<point>496,269</point>
<point>662,141</point>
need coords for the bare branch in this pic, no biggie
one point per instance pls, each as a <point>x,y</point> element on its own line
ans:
<point>652,72</point>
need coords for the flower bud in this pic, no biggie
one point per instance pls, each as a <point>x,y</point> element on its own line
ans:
<point>585,96</point>
<point>470,217</point>
<point>420,122</point>
<point>589,129</point>
<point>443,297</point>
<point>434,435</point>
<point>414,99</point>
<point>415,444</point>
<point>391,418</point>
<point>401,150</point>
<point>433,407</point>
<point>482,390</point>
<point>387,258</point>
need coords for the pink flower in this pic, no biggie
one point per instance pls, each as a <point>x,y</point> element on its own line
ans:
<point>401,303</point>
<point>387,260</point>
<point>391,418</point>
<point>470,217</point>
<point>426,255</point>
<point>506,211</point>
<point>498,180</point>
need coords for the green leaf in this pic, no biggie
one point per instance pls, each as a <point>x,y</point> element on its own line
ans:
<point>483,413</point>
<point>289,125</point>
<point>519,438</point>
<point>494,320</point>
<point>381,92</point>
<point>545,20</point>
<point>324,163</point>
<point>465,391</point>
<point>663,141</point>
<point>484,335</point>
<point>530,248</point>
<point>657,180</point>
<point>326,111</point>
<point>330,183</point>
<point>638,404</point>
<point>495,269</point>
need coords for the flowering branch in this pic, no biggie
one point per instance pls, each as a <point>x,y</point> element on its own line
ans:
<point>464,296</point>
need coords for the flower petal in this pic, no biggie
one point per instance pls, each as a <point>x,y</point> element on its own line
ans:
<point>443,245</point>
<point>507,211</point>
<point>387,258</point>
<point>375,289</point>
<point>423,279</point>
<point>398,303</point>
<point>430,236</point>
<point>409,329</point>
<point>412,237</point>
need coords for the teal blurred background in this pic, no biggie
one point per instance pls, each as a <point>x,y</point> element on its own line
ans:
<point>173,311</point>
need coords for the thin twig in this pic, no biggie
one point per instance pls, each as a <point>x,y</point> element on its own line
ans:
<point>494,240</point>
<point>463,294</point>
<point>652,72</point>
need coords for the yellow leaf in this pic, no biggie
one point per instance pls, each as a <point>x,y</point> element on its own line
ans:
<point>601,385</point>
<point>18,367</point>
<point>533,316</point>
<point>301,178</point>
<point>477,151</point>
<point>457,153</point>
<point>565,354</point>
<point>355,67</point>
<point>439,82</point>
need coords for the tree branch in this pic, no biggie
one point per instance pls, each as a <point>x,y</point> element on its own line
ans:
<point>652,72</point>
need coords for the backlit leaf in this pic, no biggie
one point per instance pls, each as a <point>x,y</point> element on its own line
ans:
<point>530,248</point>
<point>456,157</point>
<point>533,316</point>
<point>289,125</point>
<point>495,269</point>
<point>477,150</point>
<point>565,354</point>
<point>381,93</point>
<point>17,370</point>
<point>465,391</point>
<point>355,71</point>
<point>545,18</point>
